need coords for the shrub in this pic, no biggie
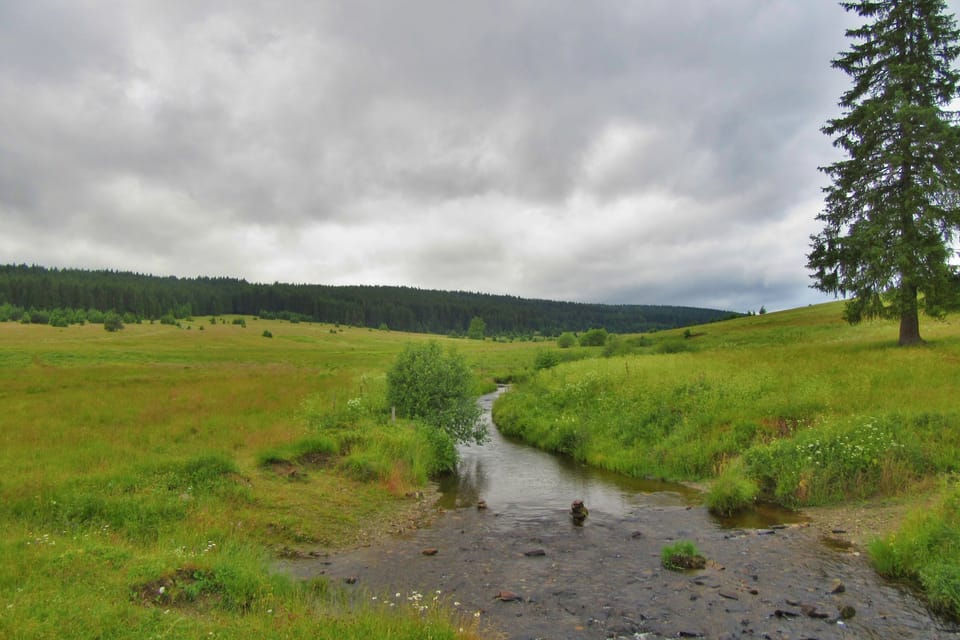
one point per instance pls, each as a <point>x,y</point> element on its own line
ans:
<point>427,384</point>
<point>546,359</point>
<point>594,338</point>
<point>240,322</point>
<point>39,317</point>
<point>59,318</point>
<point>112,321</point>
<point>477,329</point>
<point>267,334</point>
<point>566,340</point>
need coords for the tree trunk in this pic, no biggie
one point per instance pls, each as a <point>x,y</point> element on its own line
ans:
<point>909,316</point>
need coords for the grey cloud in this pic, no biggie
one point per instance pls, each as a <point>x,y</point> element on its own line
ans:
<point>536,147</point>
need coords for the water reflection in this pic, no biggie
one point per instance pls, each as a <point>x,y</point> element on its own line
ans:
<point>520,482</point>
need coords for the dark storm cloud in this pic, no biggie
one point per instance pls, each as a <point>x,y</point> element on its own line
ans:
<point>656,152</point>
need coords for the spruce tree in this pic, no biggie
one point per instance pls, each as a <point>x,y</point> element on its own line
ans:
<point>891,212</point>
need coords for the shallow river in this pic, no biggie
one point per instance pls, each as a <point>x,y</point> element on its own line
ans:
<point>604,579</point>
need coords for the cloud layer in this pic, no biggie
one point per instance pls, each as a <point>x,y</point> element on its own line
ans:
<point>653,152</point>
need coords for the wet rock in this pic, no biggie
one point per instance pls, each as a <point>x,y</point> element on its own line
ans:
<point>812,612</point>
<point>728,596</point>
<point>784,613</point>
<point>507,596</point>
<point>636,535</point>
<point>847,612</point>
<point>534,553</point>
<point>578,512</point>
<point>837,587</point>
<point>481,504</point>
<point>351,580</point>
<point>430,551</point>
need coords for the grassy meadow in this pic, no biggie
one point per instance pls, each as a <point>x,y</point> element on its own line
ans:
<point>796,408</point>
<point>151,475</point>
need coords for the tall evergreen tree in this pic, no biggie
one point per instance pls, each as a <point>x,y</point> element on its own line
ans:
<point>891,212</point>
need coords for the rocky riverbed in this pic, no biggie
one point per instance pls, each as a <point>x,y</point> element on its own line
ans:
<point>548,578</point>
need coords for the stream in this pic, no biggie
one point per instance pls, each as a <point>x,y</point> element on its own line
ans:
<point>522,569</point>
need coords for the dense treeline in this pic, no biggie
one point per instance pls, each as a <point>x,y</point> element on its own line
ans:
<point>45,289</point>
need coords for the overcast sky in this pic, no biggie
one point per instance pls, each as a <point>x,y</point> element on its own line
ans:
<point>624,151</point>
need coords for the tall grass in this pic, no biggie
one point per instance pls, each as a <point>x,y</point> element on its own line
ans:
<point>924,551</point>
<point>170,458</point>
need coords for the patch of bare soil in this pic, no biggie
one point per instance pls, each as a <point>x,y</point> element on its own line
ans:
<point>856,525</point>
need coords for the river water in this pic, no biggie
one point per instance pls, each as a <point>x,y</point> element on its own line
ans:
<point>604,579</point>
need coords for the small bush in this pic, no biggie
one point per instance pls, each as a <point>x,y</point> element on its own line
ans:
<point>566,340</point>
<point>266,333</point>
<point>594,338</point>
<point>427,384</point>
<point>112,322</point>
<point>240,322</point>
<point>546,359</point>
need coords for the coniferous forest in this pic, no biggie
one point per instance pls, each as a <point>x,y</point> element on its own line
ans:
<point>41,291</point>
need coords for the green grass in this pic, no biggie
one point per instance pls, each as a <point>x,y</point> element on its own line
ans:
<point>682,555</point>
<point>924,551</point>
<point>159,456</point>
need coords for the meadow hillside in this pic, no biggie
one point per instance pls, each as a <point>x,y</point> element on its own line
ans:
<point>796,407</point>
<point>151,475</point>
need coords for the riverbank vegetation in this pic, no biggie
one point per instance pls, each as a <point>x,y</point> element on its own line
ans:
<point>795,407</point>
<point>153,476</point>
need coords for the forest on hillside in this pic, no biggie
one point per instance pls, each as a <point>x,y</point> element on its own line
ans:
<point>26,288</point>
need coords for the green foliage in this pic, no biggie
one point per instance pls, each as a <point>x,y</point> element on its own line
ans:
<point>926,551</point>
<point>477,329</point>
<point>9,312</point>
<point>112,321</point>
<point>546,359</point>
<point>267,333</point>
<point>59,318</point>
<point>891,211</point>
<point>594,338</point>
<point>242,322</point>
<point>427,384</point>
<point>732,492</point>
<point>566,340</point>
<point>681,555</point>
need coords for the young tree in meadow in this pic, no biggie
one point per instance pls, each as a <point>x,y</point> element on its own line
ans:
<point>891,212</point>
<point>477,329</point>
<point>428,384</point>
